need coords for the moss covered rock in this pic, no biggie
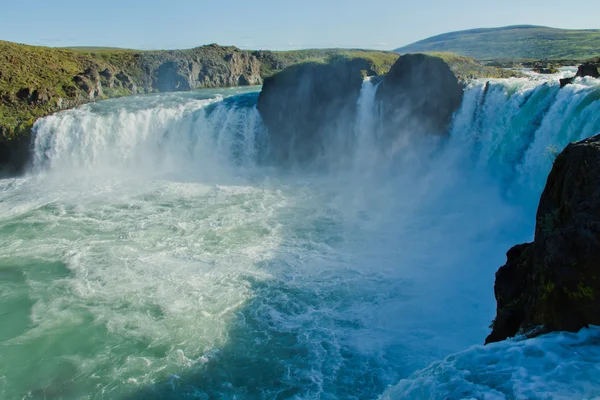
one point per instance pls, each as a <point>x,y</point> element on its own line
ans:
<point>554,283</point>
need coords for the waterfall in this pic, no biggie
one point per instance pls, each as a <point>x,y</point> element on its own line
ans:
<point>187,255</point>
<point>366,125</point>
<point>160,136</point>
<point>514,128</point>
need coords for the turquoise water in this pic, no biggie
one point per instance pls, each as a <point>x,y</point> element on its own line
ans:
<point>149,254</point>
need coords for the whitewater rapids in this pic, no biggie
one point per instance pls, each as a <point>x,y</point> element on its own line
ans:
<point>150,252</point>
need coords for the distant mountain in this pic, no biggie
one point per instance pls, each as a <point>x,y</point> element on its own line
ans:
<point>514,42</point>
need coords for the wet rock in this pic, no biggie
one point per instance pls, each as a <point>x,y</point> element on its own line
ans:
<point>14,151</point>
<point>419,95</point>
<point>553,284</point>
<point>566,81</point>
<point>591,68</point>
<point>305,104</point>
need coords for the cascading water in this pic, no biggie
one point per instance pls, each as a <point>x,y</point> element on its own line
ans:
<point>151,254</point>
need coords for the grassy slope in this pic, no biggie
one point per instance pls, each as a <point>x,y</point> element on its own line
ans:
<point>51,71</point>
<point>276,61</point>
<point>514,42</point>
<point>38,68</point>
<point>466,68</point>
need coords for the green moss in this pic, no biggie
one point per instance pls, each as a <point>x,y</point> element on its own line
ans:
<point>583,292</point>
<point>549,288</point>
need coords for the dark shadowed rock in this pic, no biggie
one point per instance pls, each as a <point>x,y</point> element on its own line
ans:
<point>590,68</point>
<point>24,94</point>
<point>14,153</point>
<point>554,282</point>
<point>419,95</point>
<point>421,92</point>
<point>172,76</point>
<point>566,81</point>
<point>304,105</point>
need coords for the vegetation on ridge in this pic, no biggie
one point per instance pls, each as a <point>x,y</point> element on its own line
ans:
<point>514,42</point>
<point>36,81</point>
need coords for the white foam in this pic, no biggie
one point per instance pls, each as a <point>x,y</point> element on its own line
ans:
<point>557,366</point>
<point>178,254</point>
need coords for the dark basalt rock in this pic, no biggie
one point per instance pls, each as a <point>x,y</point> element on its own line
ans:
<point>554,283</point>
<point>566,81</point>
<point>419,95</point>
<point>305,104</point>
<point>590,68</point>
<point>14,153</point>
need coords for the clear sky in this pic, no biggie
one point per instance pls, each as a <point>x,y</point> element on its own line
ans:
<point>271,24</point>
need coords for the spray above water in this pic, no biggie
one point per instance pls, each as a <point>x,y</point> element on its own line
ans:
<point>162,256</point>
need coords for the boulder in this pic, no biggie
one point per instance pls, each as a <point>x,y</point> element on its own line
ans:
<point>306,104</point>
<point>419,95</point>
<point>24,94</point>
<point>590,68</point>
<point>566,81</point>
<point>553,283</point>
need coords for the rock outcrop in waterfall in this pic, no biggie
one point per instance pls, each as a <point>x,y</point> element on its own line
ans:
<point>553,283</point>
<point>305,105</point>
<point>422,92</point>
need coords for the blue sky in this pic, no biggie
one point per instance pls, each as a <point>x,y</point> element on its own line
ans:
<point>270,24</point>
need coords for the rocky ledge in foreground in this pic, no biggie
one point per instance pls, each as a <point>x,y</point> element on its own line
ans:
<point>553,284</point>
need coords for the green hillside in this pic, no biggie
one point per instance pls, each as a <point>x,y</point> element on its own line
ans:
<point>514,42</point>
<point>36,81</point>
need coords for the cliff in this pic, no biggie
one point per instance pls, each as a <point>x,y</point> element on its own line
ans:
<point>38,81</point>
<point>553,283</point>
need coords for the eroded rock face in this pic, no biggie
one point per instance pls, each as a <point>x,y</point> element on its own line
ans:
<point>206,67</point>
<point>554,282</point>
<point>419,95</point>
